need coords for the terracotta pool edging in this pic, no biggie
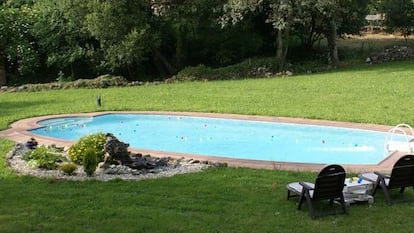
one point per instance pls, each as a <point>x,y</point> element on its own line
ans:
<point>19,132</point>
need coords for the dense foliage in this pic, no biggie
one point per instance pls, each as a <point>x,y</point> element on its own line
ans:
<point>95,142</point>
<point>399,16</point>
<point>45,40</point>
<point>90,161</point>
<point>19,55</point>
<point>42,157</point>
<point>68,168</point>
<point>310,19</point>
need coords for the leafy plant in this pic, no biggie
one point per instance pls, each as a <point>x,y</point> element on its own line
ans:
<point>94,141</point>
<point>90,161</point>
<point>247,68</point>
<point>42,157</point>
<point>68,168</point>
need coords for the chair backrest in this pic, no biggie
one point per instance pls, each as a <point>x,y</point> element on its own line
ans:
<point>402,174</point>
<point>404,161</point>
<point>330,182</point>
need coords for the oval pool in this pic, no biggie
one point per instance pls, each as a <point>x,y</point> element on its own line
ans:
<point>230,138</point>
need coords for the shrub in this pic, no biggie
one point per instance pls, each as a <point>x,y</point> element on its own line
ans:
<point>248,68</point>
<point>90,161</point>
<point>42,157</point>
<point>68,168</point>
<point>33,163</point>
<point>93,141</point>
<point>103,81</point>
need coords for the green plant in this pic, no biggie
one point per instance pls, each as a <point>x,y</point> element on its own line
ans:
<point>93,141</point>
<point>247,68</point>
<point>61,77</point>
<point>68,168</point>
<point>103,81</point>
<point>90,161</point>
<point>42,157</point>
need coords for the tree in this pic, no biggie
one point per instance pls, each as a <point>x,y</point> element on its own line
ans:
<point>62,35</point>
<point>349,17</point>
<point>195,37</point>
<point>318,18</point>
<point>18,53</point>
<point>123,29</point>
<point>374,6</point>
<point>399,16</point>
<point>188,20</point>
<point>281,14</point>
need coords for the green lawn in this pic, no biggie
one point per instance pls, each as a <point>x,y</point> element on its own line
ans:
<point>217,200</point>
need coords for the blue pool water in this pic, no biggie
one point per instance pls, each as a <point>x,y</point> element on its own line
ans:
<point>229,138</point>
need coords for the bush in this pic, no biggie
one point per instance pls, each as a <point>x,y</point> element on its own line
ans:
<point>248,68</point>
<point>42,157</point>
<point>90,161</point>
<point>103,81</point>
<point>93,141</point>
<point>68,168</point>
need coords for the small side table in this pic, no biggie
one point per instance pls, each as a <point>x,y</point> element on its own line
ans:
<point>358,190</point>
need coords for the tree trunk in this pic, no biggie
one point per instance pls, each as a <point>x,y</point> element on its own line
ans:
<point>158,56</point>
<point>310,38</point>
<point>333,48</point>
<point>181,48</point>
<point>72,71</point>
<point>282,48</point>
<point>3,79</point>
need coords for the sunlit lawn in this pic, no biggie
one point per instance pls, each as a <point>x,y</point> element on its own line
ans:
<point>217,200</point>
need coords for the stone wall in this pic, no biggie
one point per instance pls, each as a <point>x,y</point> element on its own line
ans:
<point>395,53</point>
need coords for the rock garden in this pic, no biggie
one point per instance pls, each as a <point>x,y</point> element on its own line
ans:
<point>99,156</point>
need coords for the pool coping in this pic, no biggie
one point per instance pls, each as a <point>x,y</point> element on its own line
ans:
<point>19,133</point>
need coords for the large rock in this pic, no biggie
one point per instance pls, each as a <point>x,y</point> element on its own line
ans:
<point>116,153</point>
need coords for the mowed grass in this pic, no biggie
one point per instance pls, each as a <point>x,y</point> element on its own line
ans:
<point>216,200</point>
<point>379,94</point>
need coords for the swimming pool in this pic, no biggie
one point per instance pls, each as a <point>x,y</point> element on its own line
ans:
<point>230,138</point>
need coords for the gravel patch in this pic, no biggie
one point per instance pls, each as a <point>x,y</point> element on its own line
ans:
<point>175,167</point>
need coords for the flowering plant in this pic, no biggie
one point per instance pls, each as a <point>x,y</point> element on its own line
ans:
<point>95,142</point>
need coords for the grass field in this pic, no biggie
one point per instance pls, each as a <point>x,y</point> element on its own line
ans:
<point>216,200</point>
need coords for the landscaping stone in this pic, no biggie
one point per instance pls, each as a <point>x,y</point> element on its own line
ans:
<point>159,167</point>
<point>116,152</point>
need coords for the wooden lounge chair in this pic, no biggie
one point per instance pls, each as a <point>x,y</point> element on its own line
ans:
<point>328,186</point>
<point>402,176</point>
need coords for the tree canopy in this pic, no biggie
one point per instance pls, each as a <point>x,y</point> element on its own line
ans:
<point>152,39</point>
<point>311,19</point>
<point>399,16</point>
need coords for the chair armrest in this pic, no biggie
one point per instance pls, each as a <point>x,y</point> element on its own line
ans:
<point>306,186</point>
<point>382,176</point>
